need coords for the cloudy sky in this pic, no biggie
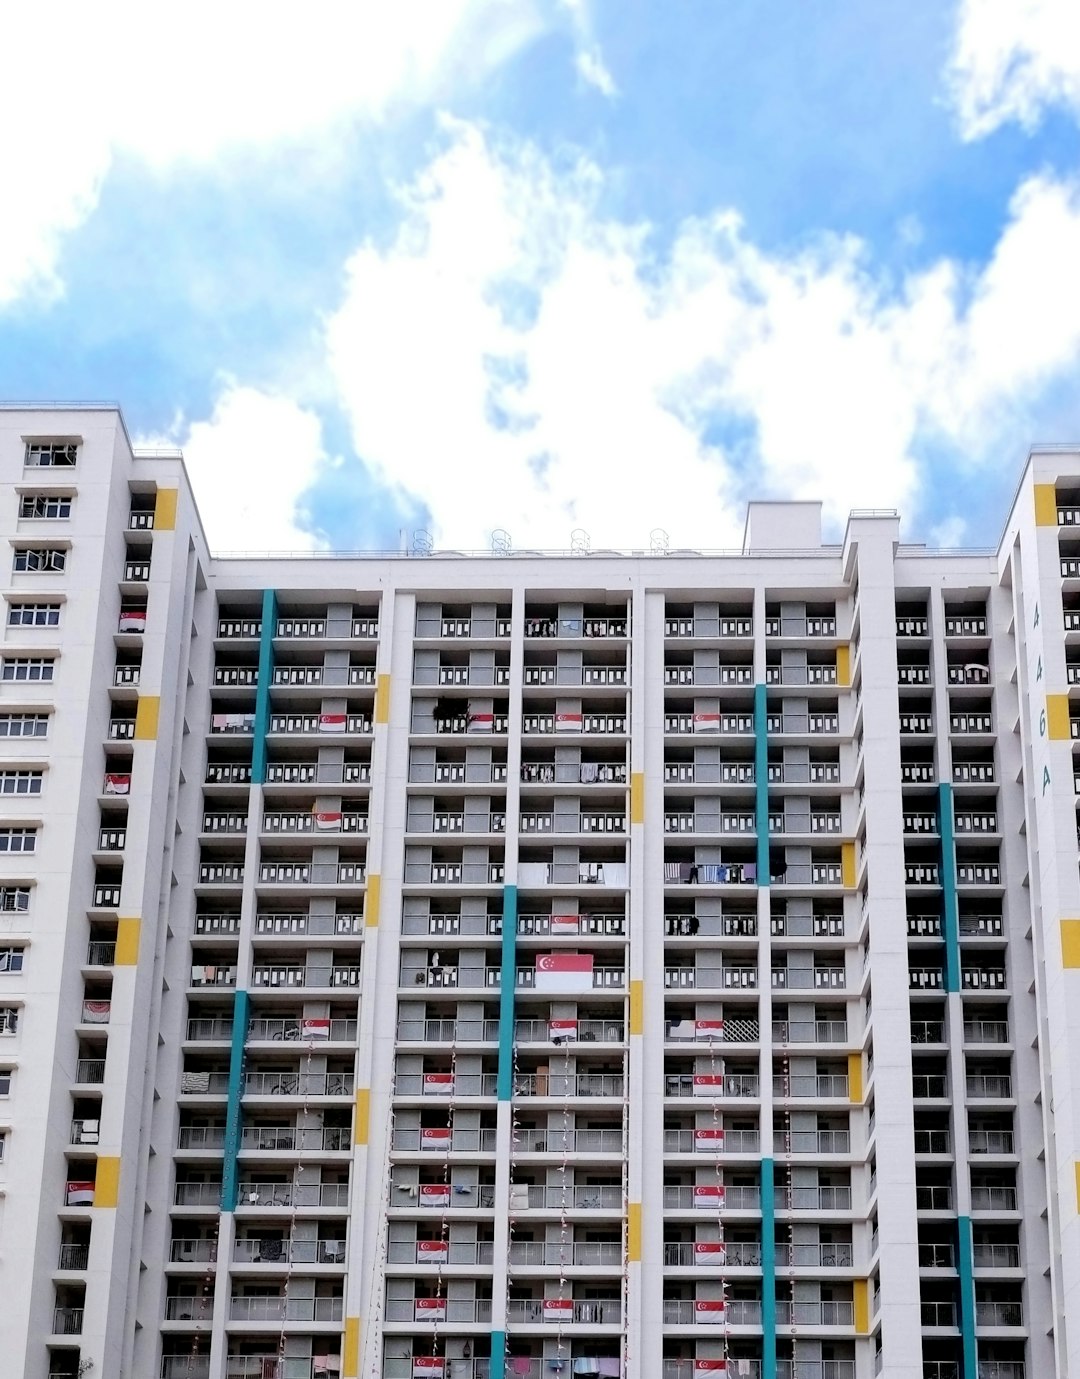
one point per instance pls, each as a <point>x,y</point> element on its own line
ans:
<point>540,265</point>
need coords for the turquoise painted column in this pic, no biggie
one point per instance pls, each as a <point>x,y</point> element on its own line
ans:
<point>233,1116</point>
<point>768,1168</point>
<point>505,1080</point>
<point>507,979</point>
<point>262,692</point>
<point>965,1265</point>
<point>950,916</point>
<point>768,1269</point>
<point>761,781</point>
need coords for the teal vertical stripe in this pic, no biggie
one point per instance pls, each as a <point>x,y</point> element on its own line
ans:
<point>965,1267</point>
<point>761,778</point>
<point>262,693</point>
<point>507,979</point>
<point>950,917</point>
<point>768,1269</point>
<point>498,1355</point>
<point>233,1117</point>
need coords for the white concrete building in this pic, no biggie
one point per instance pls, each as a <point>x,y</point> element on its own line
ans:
<point>458,967</point>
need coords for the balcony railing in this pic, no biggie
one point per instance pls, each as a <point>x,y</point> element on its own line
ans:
<point>597,1312</point>
<point>592,1254</point>
<point>67,1321</point>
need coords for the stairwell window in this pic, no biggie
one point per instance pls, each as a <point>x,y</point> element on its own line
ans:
<point>51,454</point>
<point>9,1019</point>
<point>31,560</point>
<point>18,840</point>
<point>45,506</point>
<point>31,669</point>
<point>20,782</point>
<point>11,959</point>
<point>5,1083</point>
<point>33,615</point>
<point>14,899</point>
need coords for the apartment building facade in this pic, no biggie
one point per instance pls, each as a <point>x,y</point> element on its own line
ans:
<point>461,966</point>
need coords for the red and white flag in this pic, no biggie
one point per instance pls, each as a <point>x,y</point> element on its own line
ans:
<point>315,1029</point>
<point>709,1252</point>
<point>564,972</point>
<point>709,1310</point>
<point>480,723</point>
<point>96,1012</point>
<point>80,1194</point>
<point>434,1194</point>
<point>564,925</point>
<point>331,723</point>
<point>568,722</point>
<point>432,1251</point>
<point>117,785</point>
<point>709,1195</point>
<point>428,1367</point>
<point>710,1369</point>
<point>708,1029</point>
<point>132,620</point>
<point>706,723</point>
<point>438,1084</point>
<point>434,1137</point>
<point>429,1309</point>
<point>562,1031</point>
<point>558,1309</point>
<point>328,821</point>
<point>709,1140</point>
<point>709,1084</point>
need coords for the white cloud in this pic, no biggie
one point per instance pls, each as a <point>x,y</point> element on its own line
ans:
<point>515,359</point>
<point>250,465</point>
<point>591,69</point>
<point>1012,59</point>
<point>174,83</point>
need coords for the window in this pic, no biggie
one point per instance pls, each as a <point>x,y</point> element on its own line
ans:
<point>18,839</point>
<point>5,1082</point>
<point>14,898</point>
<point>20,782</point>
<point>9,1019</point>
<point>50,505</point>
<point>24,725</point>
<point>33,615</point>
<point>3,1145</point>
<point>28,668</point>
<point>51,454</point>
<point>11,959</point>
<point>39,559</point>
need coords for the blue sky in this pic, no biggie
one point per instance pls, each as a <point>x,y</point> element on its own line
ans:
<point>553,264</point>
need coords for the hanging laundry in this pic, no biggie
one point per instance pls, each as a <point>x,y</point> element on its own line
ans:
<point>195,1082</point>
<point>609,1366</point>
<point>590,773</point>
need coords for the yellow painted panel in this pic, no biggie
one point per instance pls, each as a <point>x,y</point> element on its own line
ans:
<point>363,1115</point>
<point>371,902</point>
<point>350,1356</point>
<point>165,509</point>
<point>1045,505</point>
<point>637,1007</point>
<point>637,797</point>
<point>127,942</point>
<point>860,1292</point>
<point>1057,717</point>
<point>843,665</point>
<point>382,699</point>
<point>107,1182</point>
<point>1070,943</point>
<point>146,717</point>
<point>854,1073</point>
<point>633,1232</point>
<point>847,864</point>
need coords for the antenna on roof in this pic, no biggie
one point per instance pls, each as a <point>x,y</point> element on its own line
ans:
<point>659,541</point>
<point>422,542</point>
<point>580,541</point>
<point>500,542</point>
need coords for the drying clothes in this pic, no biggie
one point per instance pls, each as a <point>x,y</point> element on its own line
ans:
<point>590,773</point>
<point>610,1367</point>
<point>677,871</point>
<point>520,1364</point>
<point>586,1364</point>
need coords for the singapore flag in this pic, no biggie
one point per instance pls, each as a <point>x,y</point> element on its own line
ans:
<point>563,972</point>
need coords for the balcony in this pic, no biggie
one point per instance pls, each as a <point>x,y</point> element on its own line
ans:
<point>279,1139</point>
<point>705,1142</point>
<point>712,1085</point>
<point>236,677</point>
<point>709,676</point>
<point>302,676</point>
<point>121,729</point>
<point>940,1313</point>
<point>90,1071</point>
<point>553,1084</point>
<point>998,1313</point>
<point>101,952</point>
<point>73,1257</point>
<point>259,1250</point>
<point>264,1195</point>
<point>228,773</point>
<point>966,626</point>
<point>724,821</point>
<point>730,978</point>
<point>328,724</point>
<point>993,1198</point>
<point>968,723</point>
<point>239,629</point>
<point>574,723</point>
<point>277,1310</point>
<point>606,1197</point>
<point>989,1086</point>
<point>563,676</point>
<point>801,675</point>
<point>706,627</point>
<point>287,1084</point>
<point>126,676</point>
<point>573,628</point>
<point>727,723</point>
<point>334,822</point>
<point>809,978</point>
<point>67,1321</point>
<point>435,1311</point>
<point>441,1085</point>
<point>440,1140</point>
<point>799,724</point>
<point>580,1254</point>
<point>912,625</point>
<point>712,1312</point>
<point>735,1254</point>
<point>564,1312</point>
